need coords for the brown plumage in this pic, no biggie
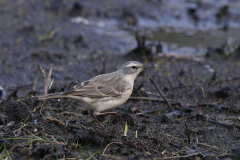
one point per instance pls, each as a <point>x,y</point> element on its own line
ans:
<point>105,91</point>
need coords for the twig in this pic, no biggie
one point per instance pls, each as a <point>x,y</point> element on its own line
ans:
<point>147,98</point>
<point>151,111</point>
<point>199,150</point>
<point>201,104</point>
<point>223,155</point>
<point>160,92</point>
<point>206,145</point>
<point>194,88</point>
<point>148,115</point>
<point>19,129</point>
<point>9,124</point>
<point>155,99</point>
<point>188,134</point>
<point>179,157</point>
<point>228,98</point>
<point>221,123</point>
<point>56,120</point>
<point>174,102</point>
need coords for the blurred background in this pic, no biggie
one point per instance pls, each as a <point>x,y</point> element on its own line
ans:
<point>86,38</point>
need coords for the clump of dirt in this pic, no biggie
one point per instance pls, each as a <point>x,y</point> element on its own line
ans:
<point>18,111</point>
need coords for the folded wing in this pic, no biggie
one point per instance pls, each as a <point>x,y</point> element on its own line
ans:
<point>109,85</point>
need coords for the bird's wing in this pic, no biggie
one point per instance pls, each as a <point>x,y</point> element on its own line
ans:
<point>107,85</point>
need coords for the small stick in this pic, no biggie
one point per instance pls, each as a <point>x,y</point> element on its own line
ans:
<point>146,112</point>
<point>228,98</point>
<point>189,139</point>
<point>160,92</point>
<point>56,120</point>
<point>146,98</point>
<point>155,99</point>
<point>192,91</point>
<point>19,129</point>
<point>221,123</point>
<point>198,150</point>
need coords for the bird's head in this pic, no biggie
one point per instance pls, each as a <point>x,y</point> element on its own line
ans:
<point>132,68</point>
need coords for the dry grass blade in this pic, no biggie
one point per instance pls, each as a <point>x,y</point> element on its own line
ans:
<point>48,80</point>
<point>44,74</point>
<point>108,146</point>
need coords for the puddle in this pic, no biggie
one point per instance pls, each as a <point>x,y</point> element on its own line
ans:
<point>185,27</point>
<point>194,42</point>
<point>174,40</point>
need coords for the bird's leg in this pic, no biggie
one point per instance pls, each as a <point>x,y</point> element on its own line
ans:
<point>91,113</point>
<point>113,113</point>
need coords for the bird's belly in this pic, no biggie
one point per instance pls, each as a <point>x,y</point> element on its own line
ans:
<point>107,104</point>
<point>84,102</point>
<point>102,104</point>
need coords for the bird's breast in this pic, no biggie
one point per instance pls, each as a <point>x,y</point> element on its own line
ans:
<point>108,103</point>
<point>130,79</point>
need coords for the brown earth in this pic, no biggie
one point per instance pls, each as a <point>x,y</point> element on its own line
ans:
<point>201,123</point>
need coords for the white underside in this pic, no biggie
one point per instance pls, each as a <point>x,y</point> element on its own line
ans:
<point>102,104</point>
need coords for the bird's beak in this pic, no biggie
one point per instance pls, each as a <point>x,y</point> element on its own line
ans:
<point>145,67</point>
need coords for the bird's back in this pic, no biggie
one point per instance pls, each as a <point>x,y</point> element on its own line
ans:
<point>111,84</point>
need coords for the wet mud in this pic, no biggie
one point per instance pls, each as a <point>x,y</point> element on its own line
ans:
<point>188,110</point>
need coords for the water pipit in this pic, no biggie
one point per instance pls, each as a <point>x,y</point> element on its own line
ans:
<point>103,92</point>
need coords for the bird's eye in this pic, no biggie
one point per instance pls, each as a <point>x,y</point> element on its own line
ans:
<point>134,67</point>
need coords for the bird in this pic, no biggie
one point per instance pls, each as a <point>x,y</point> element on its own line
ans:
<point>103,92</point>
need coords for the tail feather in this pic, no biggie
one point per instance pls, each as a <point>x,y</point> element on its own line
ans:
<point>51,95</point>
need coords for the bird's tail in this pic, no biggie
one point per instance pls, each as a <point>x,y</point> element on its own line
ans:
<point>51,95</point>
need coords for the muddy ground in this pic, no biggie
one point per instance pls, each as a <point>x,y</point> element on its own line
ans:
<point>200,120</point>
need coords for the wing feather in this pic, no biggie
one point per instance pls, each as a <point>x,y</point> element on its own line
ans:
<point>100,86</point>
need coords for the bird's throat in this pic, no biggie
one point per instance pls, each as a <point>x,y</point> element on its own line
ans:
<point>130,78</point>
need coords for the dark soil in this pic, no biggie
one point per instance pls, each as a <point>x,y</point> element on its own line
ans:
<point>201,123</point>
